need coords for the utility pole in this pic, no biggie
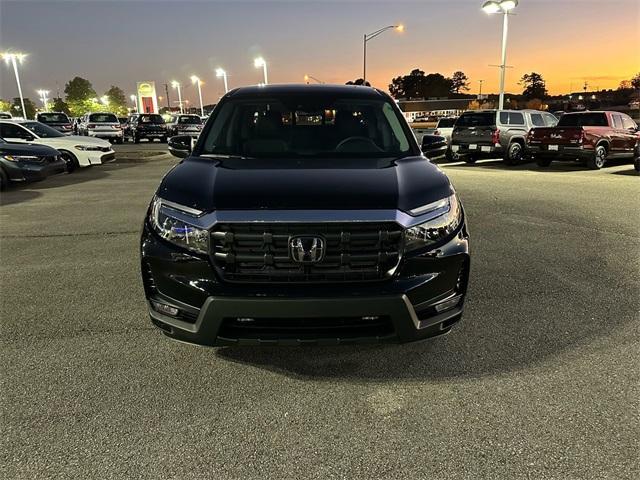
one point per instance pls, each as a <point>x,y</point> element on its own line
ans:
<point>480,92</point>
<point>166,90</point>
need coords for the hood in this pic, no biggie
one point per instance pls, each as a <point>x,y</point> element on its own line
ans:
<point>209,185</point>
<point>78,140</point>
<point>27,149</point>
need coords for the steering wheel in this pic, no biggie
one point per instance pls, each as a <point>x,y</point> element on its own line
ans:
<point>365,142</point>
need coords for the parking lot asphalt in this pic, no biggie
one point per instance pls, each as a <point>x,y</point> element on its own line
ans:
<point>540,381</point>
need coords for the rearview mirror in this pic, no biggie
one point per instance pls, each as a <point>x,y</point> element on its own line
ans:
<point>180,146</point>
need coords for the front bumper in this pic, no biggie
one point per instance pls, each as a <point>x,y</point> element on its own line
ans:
<point>425,298</point>
<point>32,171</point>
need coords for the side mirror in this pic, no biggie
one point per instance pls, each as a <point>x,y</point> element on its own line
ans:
<point>180,146</point>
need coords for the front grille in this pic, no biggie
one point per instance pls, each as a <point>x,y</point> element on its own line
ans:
<point>259,252</point>
<point>306,328</point>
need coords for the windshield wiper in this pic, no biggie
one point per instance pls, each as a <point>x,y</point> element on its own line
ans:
<point>222,156</point>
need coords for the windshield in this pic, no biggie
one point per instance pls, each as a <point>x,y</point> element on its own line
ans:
<point>476,119</point>
<point>103,118</point>
<point>583,120</point>
<point>53,117</point>
<point>307,126</point>
<point>191,120</point>
<point>42,130</point>
<point>446,122</point>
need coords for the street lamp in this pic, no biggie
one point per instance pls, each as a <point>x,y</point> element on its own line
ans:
<point>222,73</point>
<point>43,98</point>
<point>311,77</point>
<point>197,81</point>
<point>134,99</point>
<point>261,62</point>
<point>14,59</point>
<point>371,36</point>
<point>504,6</point>
<point>176,85</point>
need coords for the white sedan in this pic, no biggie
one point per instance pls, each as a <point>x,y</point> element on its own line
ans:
<point>75,150</point>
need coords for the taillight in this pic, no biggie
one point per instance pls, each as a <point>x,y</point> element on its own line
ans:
<point>437,132</point>
<point>495,136</point>
<point>91,125</point>
<point>117,127</point>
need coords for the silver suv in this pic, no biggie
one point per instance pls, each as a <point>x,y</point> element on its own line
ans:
<point>496,133</point>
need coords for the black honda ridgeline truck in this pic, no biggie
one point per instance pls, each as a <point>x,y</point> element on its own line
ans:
<point>304,214</point>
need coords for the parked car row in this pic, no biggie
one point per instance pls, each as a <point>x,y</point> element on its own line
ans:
<point>590,137</point>
<point>72,150</point>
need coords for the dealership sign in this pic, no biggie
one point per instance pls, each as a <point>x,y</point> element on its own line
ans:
<point>147,100</point>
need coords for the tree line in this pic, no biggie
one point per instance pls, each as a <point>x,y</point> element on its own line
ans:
<point>80,98</point>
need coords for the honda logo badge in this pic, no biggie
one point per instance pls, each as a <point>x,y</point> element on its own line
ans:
<point>306,249</point>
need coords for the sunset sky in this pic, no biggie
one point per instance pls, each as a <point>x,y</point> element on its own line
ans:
<point>119,43</point>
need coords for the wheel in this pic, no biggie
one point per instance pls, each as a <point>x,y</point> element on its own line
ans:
<point>599,158</point>
<point>470,159</point>
<point>71,161</point>
<point>514,154</point>
<point>4,180</point>
<point>543,162</point>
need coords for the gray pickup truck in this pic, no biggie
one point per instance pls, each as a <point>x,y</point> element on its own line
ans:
<point>496,133</point>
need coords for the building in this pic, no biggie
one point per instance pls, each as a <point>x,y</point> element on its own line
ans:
<point>433,108</point>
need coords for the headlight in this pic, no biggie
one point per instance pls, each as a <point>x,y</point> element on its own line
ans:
<point>89,148</point>
<point>165,218</point>
<point>20,158</point>
<point>445,218</point>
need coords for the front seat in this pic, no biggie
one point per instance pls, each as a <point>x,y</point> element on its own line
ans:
<point>267,135</point>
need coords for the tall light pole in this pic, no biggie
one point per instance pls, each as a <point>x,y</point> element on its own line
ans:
<point>176,85</point>
<point>504,6</point>
<point>134,99</point>
<point>197,81</point>
<point>371,36</point>
<point>43,98</point>
<point>222,73</point>
<point>14,59</point>
<point>261,62</point>
<point>480,91</point>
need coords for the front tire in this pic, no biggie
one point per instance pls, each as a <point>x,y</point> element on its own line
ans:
<point>71,161</point>
<point>4,180</point>
<point>599,158</point>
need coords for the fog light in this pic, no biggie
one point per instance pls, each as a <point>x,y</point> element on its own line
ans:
<point>448,304</point>
<point>165,309</point>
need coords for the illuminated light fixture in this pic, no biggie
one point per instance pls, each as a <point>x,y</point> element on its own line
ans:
<point>13,59</point>
<point>104,100</point>
<point>504,6</point>
<point>261,62</point>
<point>197,81</point>
<point>221,73</point>
<point>371,36</point>
<point>134,99</point>
<point>176,85</point>
<point>43,97</point>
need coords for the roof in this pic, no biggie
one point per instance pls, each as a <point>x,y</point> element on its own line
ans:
<point>352,91</point>
<point>430,105</point>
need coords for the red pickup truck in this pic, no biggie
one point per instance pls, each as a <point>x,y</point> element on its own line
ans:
<point>590,137</point>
